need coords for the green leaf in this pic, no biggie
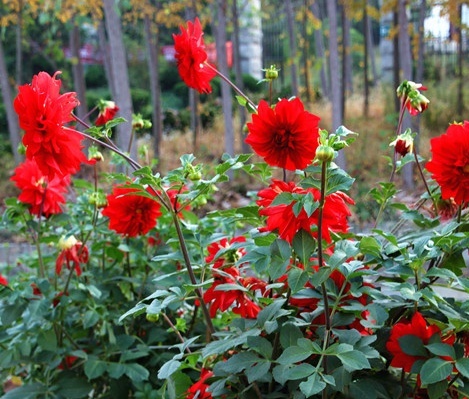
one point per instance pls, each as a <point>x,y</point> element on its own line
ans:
<point>284,373</point>
<point>90,318</point>
<point>370,245</point>
<point>136,372</point>
<point>441,349</point>
<point>116,370</point>
<point>338,180</point>
<point>412,345</point>
<point>312,385</point>
<point>47,340</point>
<point>435,370</point>
<point>289,335</point>
<point>138,309</point>
<point>437,390</point>
<point>72,387</point>
<point>297,278</point>
<point>354,360</point>
<point>294,354</point>
<point>94,368</point>
<point>28,391</point>
<point>261,346</point>
<point>304,245</point>
<point>280,258</point>
<point>169,368</point>
<point>462,365</point>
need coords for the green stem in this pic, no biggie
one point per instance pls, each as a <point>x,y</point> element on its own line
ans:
<point>190,271</point>
<point>235,88</point>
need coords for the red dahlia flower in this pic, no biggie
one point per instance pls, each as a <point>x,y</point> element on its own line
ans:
<point>282,218</point>
<point>42,113</point>
<point>192,59</point>
<point>199,389</point>
<point>107,112</point>
<point>43,195</point>
<point>285,136</point>
<point>230,257</point>
<point>73,254</point>
<point>414,101</point>
<point>130,214</point>
<point>3,280</point>
<point>449,165</point>
<point>417,327</point>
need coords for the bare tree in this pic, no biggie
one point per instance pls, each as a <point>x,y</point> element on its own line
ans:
<point>405,60</point>
<point>319,50</point>
<point>293,47</point>
<point>77,70</point>
<point>120,75</point>
<point>220,38</point>
<point>12,119</point>
<point>336,86</point>
<point>152,44</point>
<point>366,83</point>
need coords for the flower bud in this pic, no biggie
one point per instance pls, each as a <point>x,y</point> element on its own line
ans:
<point>67,242</point>
<point>271,73</point>
<point>404,144</point>
<point>152,317</point>
<point>324,153</point>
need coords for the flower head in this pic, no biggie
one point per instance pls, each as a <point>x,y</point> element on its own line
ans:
<point>3,280</point>
<point>131,214</point>
<point>449,165</point>
<point>230,256</point>
<point>404,143</point>
<point>43,113</point>
<point>198,390</point>
<point>414,101</point>
<point>417,327</point>
<point>107,112</point>
<point>282,218</point>
<point>73,254</point>
<point>285,136</point>
<point>192,59</point>
<point>44,196</point>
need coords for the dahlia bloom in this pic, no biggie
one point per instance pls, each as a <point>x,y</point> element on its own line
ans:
<point>3,280</point>
<point>414,101</point>
<point>73,254</point>
<point>199,389</point>
<point>285,136</point>
<point>42,113</point>
<point>191,58</point>
<point>43,195</point>
<point>107,112</point>
<point>404,143</point>
<point>282,218</point>
<point>230,256</point>
<point>449,165</point>
<point>417,327</point>
<point>131,214</point>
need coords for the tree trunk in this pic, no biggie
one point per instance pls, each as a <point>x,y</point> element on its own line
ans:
<point>366,30</point>
<point>220,39</point>
<point>336,87</point>
<point>371,49</point>
<point>405,58</point>
<point>152,44</point>
<point>239,75</point>
<point>77,71</point>
<point>460,94</point>
<point>319,49</point>
<point>12,118</point>
<point>306,55</point>
<point>396,62</point>
<point>120,76</point>
<point>19,45</point>
<point>104,49</point>
<point>293,48</point>
<point>346,61</point>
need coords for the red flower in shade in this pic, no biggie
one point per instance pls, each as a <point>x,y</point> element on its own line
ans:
<point>417,327</point>
<point>282,218</point>
<point>107,112</point>
<point>286,136</point>
<point>44,195</point>
<point>131,215</point>
<point>199,389</point>
<point>3,280</point>
<point>449,165</point>
<point>230,256</point>
<point>191,58</point>
<point>225,273</point>
<point>42,112</point>
<point>173,194</point>
<point>73,254</point>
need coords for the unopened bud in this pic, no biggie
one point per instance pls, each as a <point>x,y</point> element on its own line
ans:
<point>324,153</point>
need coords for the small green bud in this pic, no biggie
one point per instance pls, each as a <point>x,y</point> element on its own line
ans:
<point>324,153</point>
<point>152,317</point>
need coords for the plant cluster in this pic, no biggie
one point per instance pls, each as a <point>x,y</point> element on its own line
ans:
<point>136,291</point>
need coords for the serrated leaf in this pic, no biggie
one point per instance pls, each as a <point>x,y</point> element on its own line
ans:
<point>136,372</point>
<point>312,385</point>
<point>94,368</point>
<point>294,354</point>
<point>441,349</point>
<point>435,370</point>
<point>304,245</point>
<point>370,245</point>
<point>354,360</point>
<point>289,335</point>
<point>297,278</point>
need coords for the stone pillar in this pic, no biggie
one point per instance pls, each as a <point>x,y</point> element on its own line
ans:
<point>250,37</point>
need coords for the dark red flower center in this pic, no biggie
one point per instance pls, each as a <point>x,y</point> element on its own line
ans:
<point>41,123</point>
<point>465,169</point>
<point>282,138</point>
